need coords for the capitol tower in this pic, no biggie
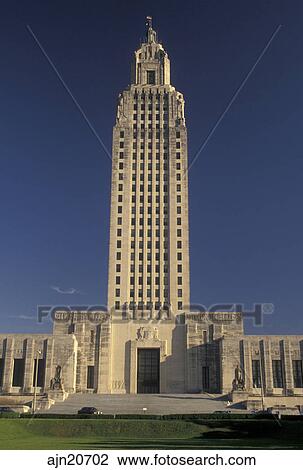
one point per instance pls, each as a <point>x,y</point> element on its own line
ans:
<point>149,246</point>
<point>148,340</point>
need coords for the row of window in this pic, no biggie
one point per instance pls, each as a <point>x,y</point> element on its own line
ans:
<point>150,96</point>
<point>148,304</point>
<point>149,155</point>
<point>277,374</point>
<point>143,134</point>
<point>149,234</point>
<point>142,199</point>
<point>19,369</point>
<point>179,246</point>
<point>150,175</point>
<point>147,124</point>
<point>150,166</point>
<point>148,293</point>
<point>149,107</point>
<point>140,221</point>
<point>149,280</point>
<point>149,268</point>
<point>149,117</point>
<point>148,256</point>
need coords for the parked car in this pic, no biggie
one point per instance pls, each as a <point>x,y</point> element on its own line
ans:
<point>89,410</point>
<point>6,409</point>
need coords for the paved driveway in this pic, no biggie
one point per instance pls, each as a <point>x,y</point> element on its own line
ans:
<point>155,404</point>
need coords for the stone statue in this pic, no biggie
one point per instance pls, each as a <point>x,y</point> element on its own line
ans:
<point>140,333</point>
<point>57,382</point>
<point>238,382</point>
<point>156,334</point>
<point>135,311</point>
<point>161,312</point>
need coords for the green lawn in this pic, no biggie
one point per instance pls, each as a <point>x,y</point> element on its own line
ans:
<point>147,434</point>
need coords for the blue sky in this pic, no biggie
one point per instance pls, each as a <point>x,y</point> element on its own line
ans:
<point>246,191</point>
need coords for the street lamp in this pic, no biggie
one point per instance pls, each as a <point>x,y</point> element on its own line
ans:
<point>39,352</point>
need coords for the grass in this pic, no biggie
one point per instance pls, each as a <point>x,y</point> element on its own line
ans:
<point>82,434</point>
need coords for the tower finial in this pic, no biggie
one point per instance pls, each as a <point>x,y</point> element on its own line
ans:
<point>151,35</point>
<point>149,22</point>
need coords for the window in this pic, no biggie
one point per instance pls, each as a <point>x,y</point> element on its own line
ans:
<point>151,77</point>
<point>256,374</point>
<point>117,292</point>
<point>90,377</point>
<point>40,373</point>
<point>205,378</point>
<point>277,373</point>
<point>117,279</point>
<point>179,305</point>
<point>1,371</point>
<point>297,373</point>
<point>18,373</point>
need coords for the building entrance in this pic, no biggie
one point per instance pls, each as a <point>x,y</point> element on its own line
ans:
<point>148,371</point>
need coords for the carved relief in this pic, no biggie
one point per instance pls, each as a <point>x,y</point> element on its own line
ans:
<point>144,334</point>
<point>118,384</point>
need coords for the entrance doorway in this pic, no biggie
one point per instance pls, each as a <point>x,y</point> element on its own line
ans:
<point>148,375</point>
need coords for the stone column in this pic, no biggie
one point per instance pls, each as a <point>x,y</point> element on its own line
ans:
<point>133,367</point>
<point>29,365</point>
<point>81,371</point>
<point>287,367</point>
<point>247,363</point>
<point>8,365</point>
<point>49,372</point>
<point>104,359</point>
<point>266,367</point>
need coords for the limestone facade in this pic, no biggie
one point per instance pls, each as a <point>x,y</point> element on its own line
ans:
<point>149,340</point>
<point>197,353</point>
